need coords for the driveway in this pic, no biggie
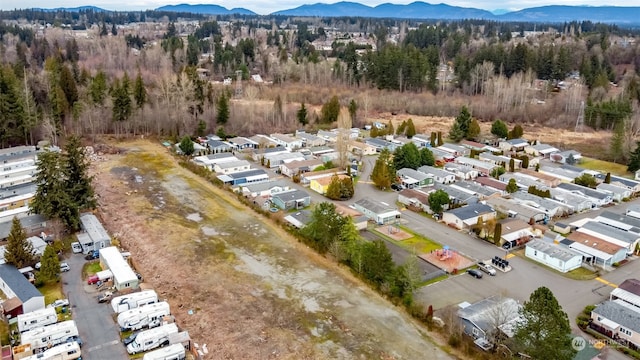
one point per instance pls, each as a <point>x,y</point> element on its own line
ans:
<point>96,325</point>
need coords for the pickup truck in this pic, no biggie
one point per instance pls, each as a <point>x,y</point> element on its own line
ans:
<point>487,268</point>
<point>92,255</point>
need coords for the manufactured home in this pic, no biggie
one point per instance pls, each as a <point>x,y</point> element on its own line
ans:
<point>66,351</point>
<point>36,319</point>
<point>144,316</point>
<point>133,300</point>
<point>173,352</point>
<point>152,338</point>
<point>51,335</point>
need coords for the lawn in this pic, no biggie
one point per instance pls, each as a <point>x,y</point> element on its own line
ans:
<point>604,166</point>
<point>418,243</point>
<point>52,292</point>
<point>91,268</point>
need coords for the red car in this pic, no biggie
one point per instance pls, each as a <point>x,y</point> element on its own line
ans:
<point>93,279</point>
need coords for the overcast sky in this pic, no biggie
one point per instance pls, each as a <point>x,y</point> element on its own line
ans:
<point>268,6</point>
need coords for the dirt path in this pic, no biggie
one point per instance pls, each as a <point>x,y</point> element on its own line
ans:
<point>255,292</point>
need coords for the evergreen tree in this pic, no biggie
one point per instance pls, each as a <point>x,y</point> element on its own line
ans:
<point>49,265</point>
<point>325,227</point>
<point>139,91</point>
<point>512,165</point>
<point>426,157</point>
<point>353,110</point>
<point>407,156</point>
<point>302,115</point>
<point>411,129</point>
<point>432,139</point>
<point>516,132</point>
<point>634,159</point>
<point>222,108</point>
<point>440,142</point>
<point>383,174</point>
<point>76,174</point>
<point>460,128</point>
<point>616,147</point>
<point>333,190</point>
<point>19,252</point>
<point>103,30</point>
<point>607,178</point>
<point>544,332</point>
<point>390,130</point>
<point>512,186</point>
<point>474,130</point>
<point>499,129</point>
<point>330,111</point>
<point>186,146</point>
<point>121,98</point>
<point>497,234</point>
<point>114,30</point>
<point>98,88</point>
<point>68,85</point>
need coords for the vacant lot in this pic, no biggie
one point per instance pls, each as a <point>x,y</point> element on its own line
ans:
<point>253,291</point>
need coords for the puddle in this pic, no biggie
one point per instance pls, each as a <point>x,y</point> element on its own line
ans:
<point>195,217</point>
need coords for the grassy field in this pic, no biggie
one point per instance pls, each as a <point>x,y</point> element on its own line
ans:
<point>604,166</point>
<point>91,268</point>
<point>417,244</point>
<point>52,292</point>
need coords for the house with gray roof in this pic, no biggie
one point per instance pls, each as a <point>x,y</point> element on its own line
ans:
<point>611,234</point>
<point>438,175</point>
<point>550,207</point>
<point>94,236</point>
<point>231,167</point>
<point>264,189</point>
<point>244,177</point>
<point>218,146</point>
<point>618,321</point>
<point>381,144</point>
<point>512,209</point>
<point>544,150</point>
<point>618,193</point>
<point>415,198</point>
<point>482,166</point>
<point>292,199</point>
<point>329,136</point>
<point>310,140</point>
<point>31,223</point>
<point>514,145</point>
<point>457,196</point>
<point>441,155</point>
<point>287,141</point>
<point>467,216</point>
<point>241,143</point>
<point>377,212</point>
<point>557,257</point>
<point>565,175</point>
<point>455,150</point>
<point>499,160</point>
<point>620,221</point>
<point>599,198</point>
<point>413,178</point>
<point>462,172</point>
<point>21,296</point>
<point>275,160</point>
<point>299,219</point>
<point>421,140</point>
<point>632,185</point>
<point>488,319</point>
<point>476,189</point>
<point>259,154</point>
<point>264,141</point>
<point>576,202</point>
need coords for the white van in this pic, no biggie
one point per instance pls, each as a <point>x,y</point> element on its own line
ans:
<point>172,352</point>
<point>76,247</point>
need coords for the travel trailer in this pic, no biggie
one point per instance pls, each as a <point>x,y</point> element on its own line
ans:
<point>145,316</point>
<point>66,351</point>
<point>152,338</point>
<point>50,335</point>
<point>172,352</point>
<point>133,300</point>
<point>36,319</point>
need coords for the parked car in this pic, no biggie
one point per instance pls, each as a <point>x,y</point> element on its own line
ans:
<point>487,268</point>
<point>475,273</point>
<point>76,247</point>
<point>106,297</point>
<point>59,303</point>
<point>129,339</point>
<point>397,187</point>
<point>64,267</point>
<point>92,255</point>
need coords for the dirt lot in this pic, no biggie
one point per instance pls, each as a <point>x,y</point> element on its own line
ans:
<point>254,291</point>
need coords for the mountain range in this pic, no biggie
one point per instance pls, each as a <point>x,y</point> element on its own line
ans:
<point>421,10</point>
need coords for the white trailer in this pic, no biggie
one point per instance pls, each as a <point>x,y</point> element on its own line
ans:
<point>144,316</point>
<point>51,335</point>
<point>152,338</point>
<point>172,352</point>
<point>66,351</point>
<point>133,300</point>
<point>36,319</point>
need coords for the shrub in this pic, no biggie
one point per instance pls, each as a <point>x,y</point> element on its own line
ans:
<point>454,340</point>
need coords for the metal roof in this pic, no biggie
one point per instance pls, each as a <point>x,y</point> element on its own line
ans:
<point>19,284</point>
<point>553,251</point>
<point>620,315</point>
<point>471,211</point>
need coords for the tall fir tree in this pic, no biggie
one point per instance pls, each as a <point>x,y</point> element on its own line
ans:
<point>76,172</point>
<point>302,115</point>
<point>383,174</point>
<point>222,108</point>
<point>49,265</point>
<point>19,251</point>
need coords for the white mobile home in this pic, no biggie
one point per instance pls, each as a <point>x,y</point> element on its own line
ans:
<point>133,300</point>
<point>50,335</point>
<point>144,316</point>
<point>152,338</point>
<point>36,319</point>
<point>94,237</point>
<point>66,351</point>
<point>123,275</point>
<point>173,352</point>
<point>555,256</point>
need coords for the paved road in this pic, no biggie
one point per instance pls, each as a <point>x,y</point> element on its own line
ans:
<point>95,322</point>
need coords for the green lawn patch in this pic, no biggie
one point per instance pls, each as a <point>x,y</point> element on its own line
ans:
<point>418,243</point>
<point>433,281</point>
<point>604,166</point>
<point>52,291</point>
<point>91,268</point>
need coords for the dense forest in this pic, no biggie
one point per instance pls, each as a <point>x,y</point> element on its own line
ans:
<point>128,73</point>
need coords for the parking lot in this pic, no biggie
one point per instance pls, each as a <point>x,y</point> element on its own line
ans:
<point>96,326</point>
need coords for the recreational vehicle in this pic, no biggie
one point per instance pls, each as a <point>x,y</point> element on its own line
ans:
<point>36,319</point>
<point>133,300</point>
<point>144,316</point>
<point>66,351</point>
<point>172,352</point>
<point>152,338</point>
<point>51,335</point>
